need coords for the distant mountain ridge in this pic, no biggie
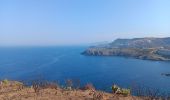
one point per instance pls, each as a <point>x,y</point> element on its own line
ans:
<point>141,48</point>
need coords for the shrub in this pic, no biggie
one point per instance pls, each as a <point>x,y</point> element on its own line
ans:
<point>69,84</point>
<point>117,90</point>
<point>89,86</point>
<point>36,87</point>
<point>125,92</point>
<point>98,96</point>
<point>5,81</point>
<point>51,85</point>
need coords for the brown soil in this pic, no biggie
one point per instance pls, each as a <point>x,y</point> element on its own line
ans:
<point>16,91</point>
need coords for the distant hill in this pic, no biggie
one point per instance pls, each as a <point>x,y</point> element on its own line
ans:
<point>141,48</point>
<point>142,42</point>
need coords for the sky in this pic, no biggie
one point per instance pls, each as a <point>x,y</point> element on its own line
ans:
<point>76,22</point>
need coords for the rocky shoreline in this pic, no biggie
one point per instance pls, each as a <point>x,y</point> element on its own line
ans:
<point>142,48</point>
<point>146,54</point>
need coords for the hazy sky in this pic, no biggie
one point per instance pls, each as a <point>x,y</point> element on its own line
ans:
<point>67,22</point>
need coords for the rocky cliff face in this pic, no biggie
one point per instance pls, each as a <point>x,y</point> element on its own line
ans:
<point>141,48</point>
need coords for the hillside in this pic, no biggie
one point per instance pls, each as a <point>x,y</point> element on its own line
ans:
<point>141,48</point>
<point>13,90</point>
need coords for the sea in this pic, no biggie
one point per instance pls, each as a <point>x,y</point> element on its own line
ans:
<point>60,63</point>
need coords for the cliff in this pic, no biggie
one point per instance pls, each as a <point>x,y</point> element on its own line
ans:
<point>141,48</point>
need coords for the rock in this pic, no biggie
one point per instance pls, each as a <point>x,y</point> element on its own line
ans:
<point>141,48</point>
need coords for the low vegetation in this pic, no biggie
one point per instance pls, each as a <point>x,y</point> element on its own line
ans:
<point>5,81</point>
<point>44,90</point>
<point>117,90</point>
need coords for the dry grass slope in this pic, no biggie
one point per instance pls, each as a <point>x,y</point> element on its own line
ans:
<point>13,90</point>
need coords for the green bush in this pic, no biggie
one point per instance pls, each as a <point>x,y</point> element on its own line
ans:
<point>5,81</point>
<point>117,90</point>
<point>125,92</point>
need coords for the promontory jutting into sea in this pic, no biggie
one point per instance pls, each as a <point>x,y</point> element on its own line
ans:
<point>84,49</point>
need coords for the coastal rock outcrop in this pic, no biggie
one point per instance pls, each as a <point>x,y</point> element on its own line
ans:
<point>141,48</point>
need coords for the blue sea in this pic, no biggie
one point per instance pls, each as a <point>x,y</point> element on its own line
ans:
<point>66,62</point>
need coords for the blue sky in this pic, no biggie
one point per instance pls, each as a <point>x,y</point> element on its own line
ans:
<point>74,22</point>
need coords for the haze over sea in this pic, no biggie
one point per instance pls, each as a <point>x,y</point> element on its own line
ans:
<point>66,62</point>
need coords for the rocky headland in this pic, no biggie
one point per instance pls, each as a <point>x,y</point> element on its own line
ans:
<point>141,48</point>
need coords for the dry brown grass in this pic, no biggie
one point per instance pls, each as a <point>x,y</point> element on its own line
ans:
<point>51,91</point>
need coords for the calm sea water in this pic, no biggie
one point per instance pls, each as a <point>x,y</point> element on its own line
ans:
<point>61,63</point>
